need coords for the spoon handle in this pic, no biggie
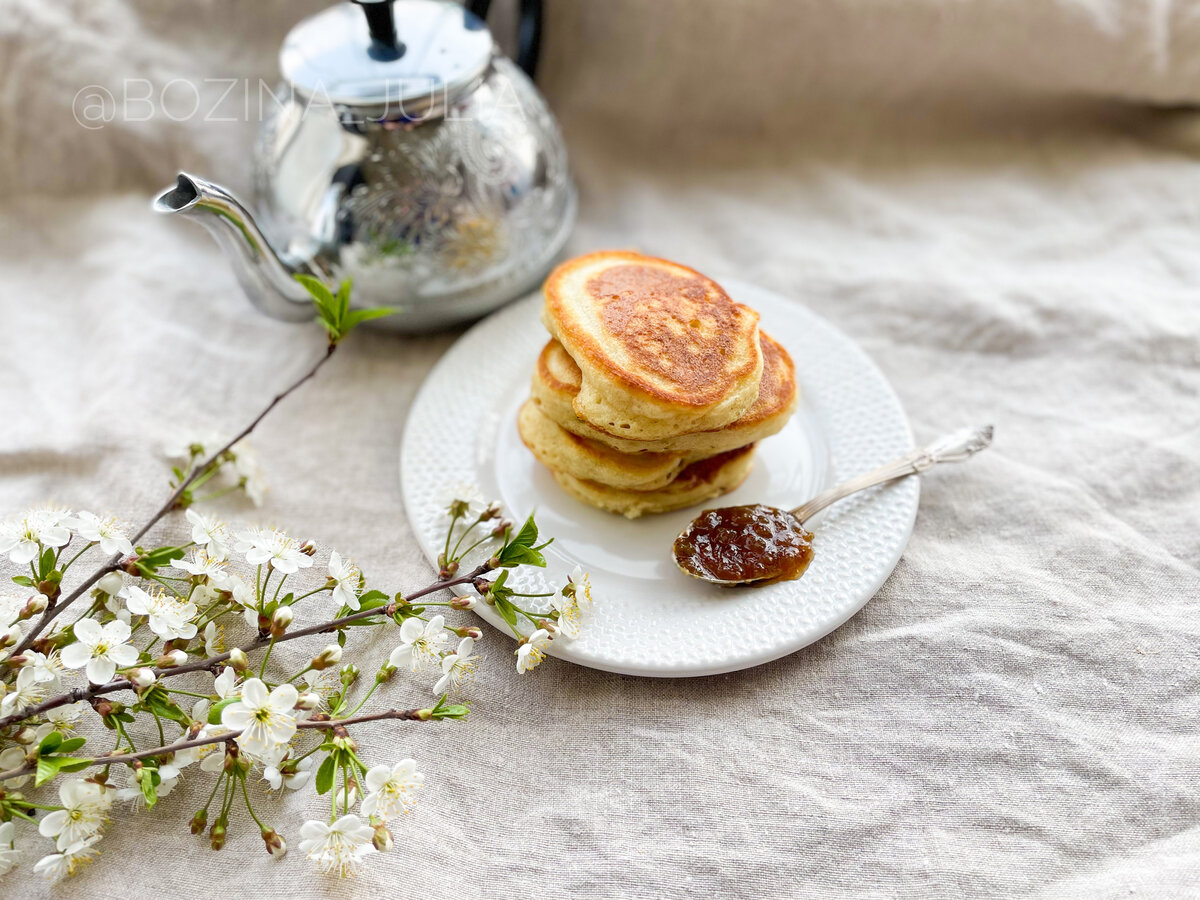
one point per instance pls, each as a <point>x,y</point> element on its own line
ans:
<point>955,447</point>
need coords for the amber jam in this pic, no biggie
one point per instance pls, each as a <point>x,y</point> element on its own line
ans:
<point>745,543</point>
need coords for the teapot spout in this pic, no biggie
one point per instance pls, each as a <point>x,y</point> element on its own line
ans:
<point>264,275</point>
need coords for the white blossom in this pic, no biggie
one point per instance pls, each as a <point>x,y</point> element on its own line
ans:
<point>112,584</point>
<point>391,790</point>
<point>210,533</point>
<point>277,778</point>
<point>105,532</point>
<point>214,641</point>
<point>63,719</point>
<point>269,546</point>
<point>47,669</point>
<point>573,603</point>
<point>22,538</point>
<point>265,720</point>
<point>457,667</point>
<point>170,617</point>
<point>201,563</point>
<point>250,474</point>
<point>10,607</point>
<point>26,692</point>
<point>347,580</point>
<point>13,758</point>
<point>85,810</point>
<point>58,866</point>
<point>8,852</point>
<point>132,792</point>
<point>100,648</point>
<point>340,847</point>
<point>421,644</point>
<point>531,653</point>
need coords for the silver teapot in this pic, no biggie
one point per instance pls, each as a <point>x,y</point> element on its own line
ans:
<point>406,154</point>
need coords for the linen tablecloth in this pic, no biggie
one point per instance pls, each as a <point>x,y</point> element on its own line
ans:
<point>972,191</point>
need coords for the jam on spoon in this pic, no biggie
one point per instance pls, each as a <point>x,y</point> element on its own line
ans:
<point>758,544</point>
<point>744,543</point>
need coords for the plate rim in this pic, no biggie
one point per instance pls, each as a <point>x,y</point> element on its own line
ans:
<point>748,662</point>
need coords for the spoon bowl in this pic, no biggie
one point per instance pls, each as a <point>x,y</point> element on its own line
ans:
<point>759,544</point>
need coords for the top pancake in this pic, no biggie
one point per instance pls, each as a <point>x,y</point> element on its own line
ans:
<point>662,350</point>
<point>557,379</point>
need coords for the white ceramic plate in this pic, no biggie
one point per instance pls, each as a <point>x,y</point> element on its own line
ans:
<point>648,618</point>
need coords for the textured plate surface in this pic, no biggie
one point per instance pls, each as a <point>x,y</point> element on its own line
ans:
<point>648,618</point>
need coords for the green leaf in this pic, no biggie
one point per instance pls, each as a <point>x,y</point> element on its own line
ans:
<point>50,766</point>
<point>358,316</point>
<point>46,563</point>
<point>214,713</point>
<point>343,302</point>
<point>24,580</point>
<point>325,775</point>
<point>149,789</point>
<point>322,298</point>
<point>50,743</point>
<point>517,555</point>
<point>341,638</point>
<point>70,746</point>
<point>372,599</point>
<point>528,533</point>
<point>507,611</point>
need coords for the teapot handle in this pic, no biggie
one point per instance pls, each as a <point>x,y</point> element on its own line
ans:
<point>529,31</point>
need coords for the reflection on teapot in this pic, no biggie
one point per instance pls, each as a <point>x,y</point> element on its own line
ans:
<point>414,159</point>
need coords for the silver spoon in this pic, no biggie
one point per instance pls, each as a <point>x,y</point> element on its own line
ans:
<point>757,543</point>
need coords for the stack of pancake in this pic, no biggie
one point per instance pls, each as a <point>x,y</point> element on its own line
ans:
<point>655,386</point>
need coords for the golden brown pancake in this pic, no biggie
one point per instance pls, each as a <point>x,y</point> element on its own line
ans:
<point>662,350</point>
<point>698,482</point>
<point>559,450</point>
<point>557,380</point>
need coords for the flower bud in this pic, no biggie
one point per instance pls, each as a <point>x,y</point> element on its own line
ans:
<point>25,736</point>
<point>198,821</point>
<point>171,659</point>
<point>385,673</point>
<point>493,563</point>
<point>142,678</point>
<point>349,674</point>
<point>491,512</point>
<point>10,637</point>
<point>37,603</point>
<point>501,527</point>
<point>382,839</point>
<point>238,660</point>
<point>111,584</point>
<point>276,845</point>
<point>463,603</point>
<point>448,570</point>
<point>280,621</point>
<point>330,656</point>
<point>217,834</point>
<point>308,700</point>
<point>308,548</point>
<point>474,633</point>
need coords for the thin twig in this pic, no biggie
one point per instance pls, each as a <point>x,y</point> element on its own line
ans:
<point>120,684</point>
<point>114,564</point>
<point>412,715</point>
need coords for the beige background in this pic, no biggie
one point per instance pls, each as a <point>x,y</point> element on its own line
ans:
<point>962,187</point>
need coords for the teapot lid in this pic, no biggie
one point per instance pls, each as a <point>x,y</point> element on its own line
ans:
<point>409,63</point>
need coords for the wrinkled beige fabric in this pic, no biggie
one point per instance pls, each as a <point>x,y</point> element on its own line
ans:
<point>1013,715</point>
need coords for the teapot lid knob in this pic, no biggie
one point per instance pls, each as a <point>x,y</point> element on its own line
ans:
<point>352,55</point>
<point>381,23</point>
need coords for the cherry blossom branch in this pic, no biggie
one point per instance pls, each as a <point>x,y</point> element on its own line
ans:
<point>258,642</point>
<point>52,612</point>
<point>409,715</point>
